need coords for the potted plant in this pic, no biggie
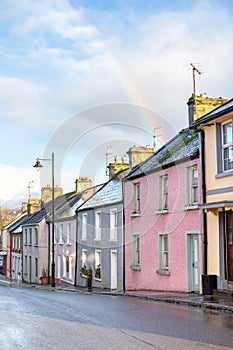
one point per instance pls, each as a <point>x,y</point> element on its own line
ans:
<point>85,272</point>
<point>98,272</point>
<point>44,277</point>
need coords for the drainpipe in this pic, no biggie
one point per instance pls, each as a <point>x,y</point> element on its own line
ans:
<point>203,188</point>
<point>76,252</point>
<point>49,240</point>
<point>123,238</point>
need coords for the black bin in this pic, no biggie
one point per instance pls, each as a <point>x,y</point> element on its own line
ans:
<point>209,284</point>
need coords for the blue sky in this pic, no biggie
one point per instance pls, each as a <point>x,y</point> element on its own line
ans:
<point>61,60</point>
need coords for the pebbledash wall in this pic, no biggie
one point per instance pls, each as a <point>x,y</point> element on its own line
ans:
<point>180,222</point>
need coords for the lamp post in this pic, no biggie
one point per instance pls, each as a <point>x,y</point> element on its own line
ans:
<point>38,166</point>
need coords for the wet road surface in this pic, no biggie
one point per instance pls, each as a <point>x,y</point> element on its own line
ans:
<point>37,319</point>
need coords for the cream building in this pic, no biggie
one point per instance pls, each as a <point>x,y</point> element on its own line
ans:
<point>216,132</point>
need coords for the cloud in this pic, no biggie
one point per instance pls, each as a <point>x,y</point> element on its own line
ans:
<point>14,184</point>
<point>58,60</point>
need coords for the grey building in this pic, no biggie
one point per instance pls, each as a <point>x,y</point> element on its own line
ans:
<point>100,237</point>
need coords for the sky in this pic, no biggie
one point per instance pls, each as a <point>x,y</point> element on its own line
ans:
<point>78,78</point>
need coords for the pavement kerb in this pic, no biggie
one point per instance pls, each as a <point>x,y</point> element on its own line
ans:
<point>193,303</point>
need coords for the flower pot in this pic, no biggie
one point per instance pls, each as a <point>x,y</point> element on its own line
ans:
<point>44,280</point>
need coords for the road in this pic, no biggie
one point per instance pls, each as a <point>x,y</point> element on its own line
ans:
<point>40,319</point>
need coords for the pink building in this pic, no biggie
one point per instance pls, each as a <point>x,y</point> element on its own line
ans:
<point>162,219</point>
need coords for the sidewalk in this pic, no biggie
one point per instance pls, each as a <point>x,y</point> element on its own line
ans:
<point>222,303</point>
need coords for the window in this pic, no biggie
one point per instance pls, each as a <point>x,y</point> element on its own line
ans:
<point>98,264</point>
<point>84,227</point>
<point>192,182</point>
<point>61,234</point>
<point>163,254</point>
<point>36,236</point>
<point>25,236</point>
<point>97,226</point>
<point>30,236</point>
<point>84,257</point>
<point>164,192</point>
<point>64,266</point>
<point>136,258</point>
<point>227,146</point>
<point>68,233</point>
<point>36,267</point>
<point>137,198</point>
<point>67,264</point>
<point>25,265</point>
<point>113,225</point>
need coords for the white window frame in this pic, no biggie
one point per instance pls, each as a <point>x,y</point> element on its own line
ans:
<point>192,185</point>
<point>227,145</point>
<point>113,224</point>
<point>164,257</point>
<point>164,192</point>
<point>30,236</point>
<point>61,234</point>
<point>84,226</point>
<point>97,225</point>
<point>68,240</point>
<point>137,194</point>
<point>136,251</point>
<point>84,257</point>
<point>98,261</point>
<point>36,236</point>
<point>25,237</point>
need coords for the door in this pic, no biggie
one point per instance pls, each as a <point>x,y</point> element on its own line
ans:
<point>193,263</point>
<point>229,246</point>
<point>113,269</point>
<point>30,269</point>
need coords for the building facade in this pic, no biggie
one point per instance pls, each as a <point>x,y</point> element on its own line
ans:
<point>163,235</point>
<point>217,139</point>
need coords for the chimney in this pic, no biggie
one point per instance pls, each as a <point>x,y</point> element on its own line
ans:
<point>46,194</point>
<point>82,183</point>
<point>117,166</point>
<point>138,154</point>
<point>201,105</point>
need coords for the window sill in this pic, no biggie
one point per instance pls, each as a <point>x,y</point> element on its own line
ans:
<point>135,267</point>
<point>113,240</point>
<point>191,207</point>
<point>83,239</point>
<point>68,243</point>
<point>98,279</point>
<point>97,239</point>
<point>135,214</point>
<point>224,174</point>
<point>162,211</point>
<point>163,272</point>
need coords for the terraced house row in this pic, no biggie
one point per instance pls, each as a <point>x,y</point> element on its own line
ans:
<point>164,223</point>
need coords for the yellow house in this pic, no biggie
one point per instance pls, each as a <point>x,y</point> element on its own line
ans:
<point>216,134</point>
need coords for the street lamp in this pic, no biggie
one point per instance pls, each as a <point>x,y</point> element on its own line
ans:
<point>38,166</point>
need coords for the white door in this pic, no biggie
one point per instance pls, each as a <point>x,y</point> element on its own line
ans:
<point>194,263</point>
<point>59,266</point>
<point>113,269</point>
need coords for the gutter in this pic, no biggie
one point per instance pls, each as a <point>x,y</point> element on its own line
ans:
<point>203,198</point>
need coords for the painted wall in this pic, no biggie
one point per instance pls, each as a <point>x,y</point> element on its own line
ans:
<point>64,248</point>
<point>105,245</point>
<point>39,251</point>
<point>177,222</point>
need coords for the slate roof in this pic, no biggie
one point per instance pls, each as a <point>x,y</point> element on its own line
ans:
<point>15,227</point>
<point>40,215</point>
<point>109,193</point>
<point>183,146</point>
<point>68,209</point>
<point>217,112</point>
